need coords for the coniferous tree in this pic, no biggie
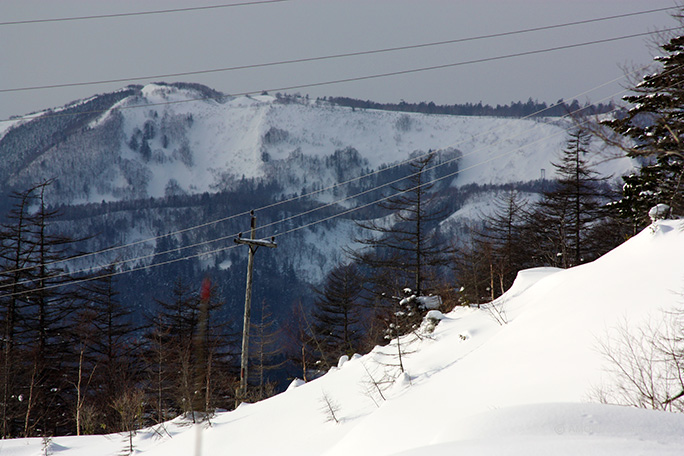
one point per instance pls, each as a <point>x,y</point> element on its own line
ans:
<point>406,251</point>
<point>170,342</point>
<point>561,222</point>
<point>656,128</point>
<point>661,181</point>
<point>488,265</point>
<point>15,279</point>
<point>51,303</point>
<point>109,365</point>
<point>337,313</point>
<point>190,368</point>
<point>266,353</point>
<point>471,265</point>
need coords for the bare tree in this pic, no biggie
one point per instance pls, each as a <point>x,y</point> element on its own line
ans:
<point>331,408</point>
<point>647,365</point>
<point>129,406</point>
<point>266,353</point>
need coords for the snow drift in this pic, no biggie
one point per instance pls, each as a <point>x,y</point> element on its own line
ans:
<point>471,386</point>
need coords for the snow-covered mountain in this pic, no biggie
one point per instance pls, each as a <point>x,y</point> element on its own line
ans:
<point>147,161</point>
<point>150,141</point>
<point>471,385</point>
<point>142,145</point>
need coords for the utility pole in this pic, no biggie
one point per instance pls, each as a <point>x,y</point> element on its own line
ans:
<point>253,245</point>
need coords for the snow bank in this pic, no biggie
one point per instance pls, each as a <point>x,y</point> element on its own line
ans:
<point>473,386</point>
<point>560,429</point>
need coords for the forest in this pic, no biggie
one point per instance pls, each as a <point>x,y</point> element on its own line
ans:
<point>530,108</point>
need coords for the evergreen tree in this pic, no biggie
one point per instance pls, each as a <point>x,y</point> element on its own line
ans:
<point>655,126</point>
<point>336,315</point>
<point>661,181</point>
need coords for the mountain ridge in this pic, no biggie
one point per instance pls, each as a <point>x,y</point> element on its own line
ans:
<point>149,142</point>
<point>144,166</point>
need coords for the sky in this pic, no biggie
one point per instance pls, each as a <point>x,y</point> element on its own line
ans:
<point>148,46</point>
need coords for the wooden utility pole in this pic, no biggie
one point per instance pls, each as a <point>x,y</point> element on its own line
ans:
<point>253,245</point>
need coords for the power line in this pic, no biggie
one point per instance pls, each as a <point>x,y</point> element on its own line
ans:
<point>140,13</point>
<point>296,198</point>
<point>355,179</point>
<point>348,211</point>
<point>470,62</point>
<point>449,175</point>
<point>353,196</point>
<point>356,54</point>
<point>270,206</point>
<point>357,78</point>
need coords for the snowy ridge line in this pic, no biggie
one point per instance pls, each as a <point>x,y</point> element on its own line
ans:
<point>333,203</point>
<point>319,58</point>
<point>329,82</point>
<point>334,186</point>
<point>222,249</point>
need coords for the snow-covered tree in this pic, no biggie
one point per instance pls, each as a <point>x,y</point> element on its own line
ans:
<point>655,127</point>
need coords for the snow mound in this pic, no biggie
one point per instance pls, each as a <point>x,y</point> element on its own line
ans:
<point>561,429</point>
<point>528,277</point>
<point>473,386</point>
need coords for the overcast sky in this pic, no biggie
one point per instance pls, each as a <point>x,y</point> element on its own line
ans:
<point>39,54</point>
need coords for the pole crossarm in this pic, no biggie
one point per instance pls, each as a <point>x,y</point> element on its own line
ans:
<point>270,243</point>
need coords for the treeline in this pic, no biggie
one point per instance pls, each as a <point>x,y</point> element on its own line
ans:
<point>570,224</point>
<point>531,108</point>
<point>75,360</point>
<point>379,293</point>
<point>28,140</point>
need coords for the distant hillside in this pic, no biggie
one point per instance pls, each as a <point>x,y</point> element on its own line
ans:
<point>529,108</point>
<point>144,142</point>
<point>140,163</point>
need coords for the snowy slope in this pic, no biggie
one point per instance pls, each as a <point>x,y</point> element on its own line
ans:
<point>473,386</point>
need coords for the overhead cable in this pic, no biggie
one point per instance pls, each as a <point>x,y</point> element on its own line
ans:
<point>352,54</point>
<point>353,79</point>
<point>139,13</point>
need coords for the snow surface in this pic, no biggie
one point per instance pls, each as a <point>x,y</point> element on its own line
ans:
<point>472,386</point>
